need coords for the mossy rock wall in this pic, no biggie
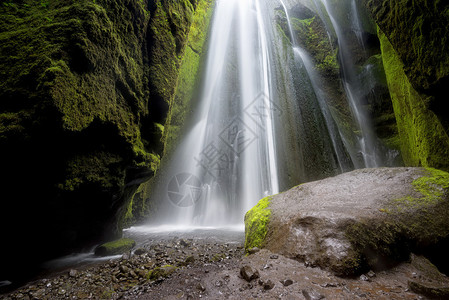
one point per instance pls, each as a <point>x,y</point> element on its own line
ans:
<point>414,38</point>
<point>85,89</point>
<point>423,139</point>
<point>179,105</point>
<point>415,50</point>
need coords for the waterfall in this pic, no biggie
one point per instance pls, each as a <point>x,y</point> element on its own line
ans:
<point>228,160</point>
<point>369,147</point>
<point>262,123</point>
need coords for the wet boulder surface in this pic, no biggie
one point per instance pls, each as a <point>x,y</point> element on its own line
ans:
<point>361,220</point>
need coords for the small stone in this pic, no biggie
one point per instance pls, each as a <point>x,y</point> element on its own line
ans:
<point>371,274</point>
<point>274,256</point>
<point>312,295</point>
<point>268,285</point>
<point>140,251</point>
<point>287,282</point>
<point>38,294</point>
<point>161,272</point>
<point>73,273</point>
<point>124,269</point>
<point>190,259</point>
<point>253,250</point>
<point>201,287</point>
<point>184,243</point>
<point>364,277</point>
<point>327,285</point>
<point>248,273</point>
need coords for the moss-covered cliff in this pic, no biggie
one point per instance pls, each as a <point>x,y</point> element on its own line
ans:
<point>180,102</point>
<point>84,88</point>
<point>415,53</point>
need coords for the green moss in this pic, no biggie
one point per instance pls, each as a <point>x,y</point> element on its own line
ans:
<point>419,34</point>
<point>188,78</point>
<point>176,60</point>
<point>256,221</point>
<point>115,247</point>
<point>424,141</point>
<point>431,187</point>
<point>161,272</point>
<point>100,168</point>
<point>416,220</point>
<point>312,36</point>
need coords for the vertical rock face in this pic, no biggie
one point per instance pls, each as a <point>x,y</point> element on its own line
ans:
<point>84,88</point>
<point>415,43</point>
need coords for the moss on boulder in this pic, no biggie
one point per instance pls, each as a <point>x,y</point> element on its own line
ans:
<point>161,272</point>
<point>115,247</point>
<point>256,221</point>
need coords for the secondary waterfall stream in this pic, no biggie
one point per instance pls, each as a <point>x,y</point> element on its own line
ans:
<point>262,123</point>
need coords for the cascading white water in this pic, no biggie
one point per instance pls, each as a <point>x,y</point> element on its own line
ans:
<point>306,60</point>
<point>227,162</point>
<point>367,141</point>
<point>262,123</point>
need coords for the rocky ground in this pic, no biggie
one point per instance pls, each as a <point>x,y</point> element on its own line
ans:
<point>179,268</point>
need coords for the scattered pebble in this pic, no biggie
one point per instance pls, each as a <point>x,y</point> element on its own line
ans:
<point>287,282</point>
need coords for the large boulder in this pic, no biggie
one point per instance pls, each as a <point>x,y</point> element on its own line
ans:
<point>364,219</point>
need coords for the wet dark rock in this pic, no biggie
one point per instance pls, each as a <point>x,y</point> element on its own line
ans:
<point>184,243</point>
<point>429,290</point>
<point>268,285</point>
<point>287,282</point>
<point>115,247</point>
<point>249,273</point>
<point>428,281</point>
<point>140,251</point>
